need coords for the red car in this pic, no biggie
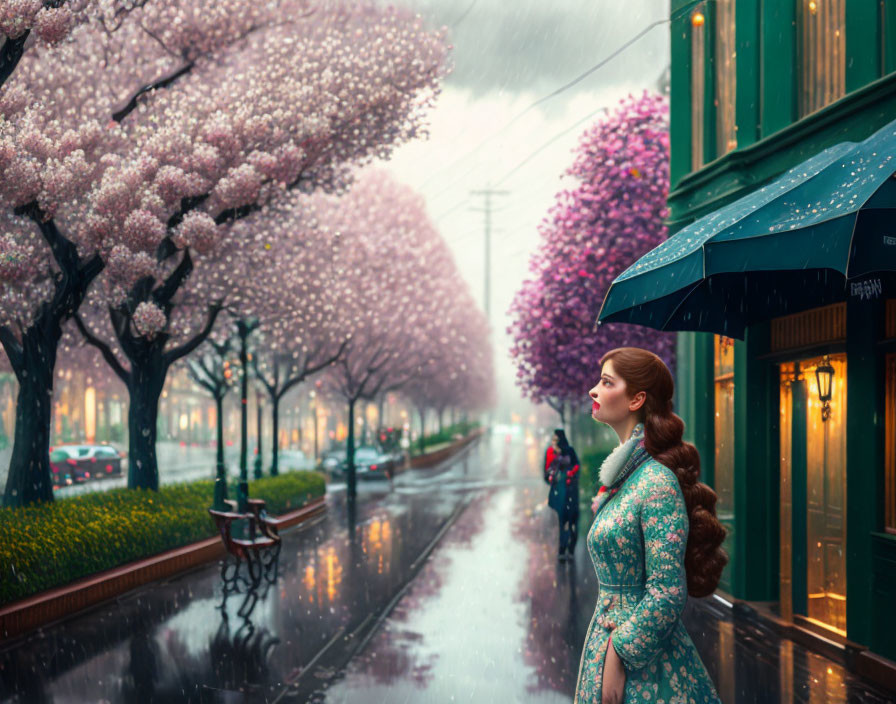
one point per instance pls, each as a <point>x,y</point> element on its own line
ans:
<point>73,464</point>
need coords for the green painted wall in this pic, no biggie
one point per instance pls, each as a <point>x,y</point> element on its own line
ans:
<point>756,476</point>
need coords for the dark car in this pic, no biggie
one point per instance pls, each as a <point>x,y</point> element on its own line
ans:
<point>333,463</point>
<point>372,463</point>
<point>73,464</point>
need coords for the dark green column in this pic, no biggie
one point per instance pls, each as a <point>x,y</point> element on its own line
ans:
<point>863,42</point>
<point>779,65</point>
<point>756,470</point>
<point>888,31</point>
<point>747,40</point>
<point>864,458</point>
<point>799,486</point>
<point>680,101</point>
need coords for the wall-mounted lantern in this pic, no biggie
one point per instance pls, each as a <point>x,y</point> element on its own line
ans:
<point>824,375</point>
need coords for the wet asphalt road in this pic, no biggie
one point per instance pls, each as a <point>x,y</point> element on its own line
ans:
<point>447,591</point>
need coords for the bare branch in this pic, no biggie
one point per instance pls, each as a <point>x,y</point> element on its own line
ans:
<point>106,351</point>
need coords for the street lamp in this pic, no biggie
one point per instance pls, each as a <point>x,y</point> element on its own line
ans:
<point>824,376</point>
<point>258,402</point>
<point>244,329</point>
<point>313,395</point>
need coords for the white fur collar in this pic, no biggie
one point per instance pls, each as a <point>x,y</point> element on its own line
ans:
<point>615,461</point>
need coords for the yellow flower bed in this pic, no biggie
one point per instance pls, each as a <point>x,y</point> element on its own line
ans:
<point>48,545</point>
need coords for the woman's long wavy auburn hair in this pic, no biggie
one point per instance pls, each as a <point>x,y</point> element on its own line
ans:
<point>642,370</point>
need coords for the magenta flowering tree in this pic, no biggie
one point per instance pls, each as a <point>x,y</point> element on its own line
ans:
<point>220,118</point>
<point>591,235</point>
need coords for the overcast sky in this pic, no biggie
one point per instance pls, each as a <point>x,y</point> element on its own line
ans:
<point>508,55</point>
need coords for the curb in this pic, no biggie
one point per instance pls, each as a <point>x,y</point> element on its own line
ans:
<point>429,459</point>
<point>856,658</point>
<point>44,608</point>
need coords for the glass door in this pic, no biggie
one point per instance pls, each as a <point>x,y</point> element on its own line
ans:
<point>813,493</point>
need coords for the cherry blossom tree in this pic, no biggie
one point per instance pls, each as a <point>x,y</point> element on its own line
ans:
<point>591,235</point>
<point>463,376</point>
<point>54,144</point>
<point>268,105</point>
<point>410,320</point>
<point>49,22</point>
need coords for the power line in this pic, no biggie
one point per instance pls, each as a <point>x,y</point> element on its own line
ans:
<point>561,89</point>
<point>547,144</point>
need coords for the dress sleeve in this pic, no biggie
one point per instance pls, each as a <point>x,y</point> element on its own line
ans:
<point>664,522</point>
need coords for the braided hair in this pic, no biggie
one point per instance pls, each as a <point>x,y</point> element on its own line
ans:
<point>642,370</point>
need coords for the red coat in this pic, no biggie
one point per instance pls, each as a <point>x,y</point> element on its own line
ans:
<point>549,458</point>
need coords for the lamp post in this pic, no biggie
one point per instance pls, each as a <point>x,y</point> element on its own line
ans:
<point>220,469</point>
<point>258,401</point>
<point>824,376</point>
<point>313,395</point>
<point>244,329</point>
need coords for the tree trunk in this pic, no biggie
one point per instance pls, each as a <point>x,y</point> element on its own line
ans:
<point>422,412</point>
<point>351,483</point>
<point>275,426</point>
<point>29,479</point>
<point>144,389</point>
<point>441,422</point>
<point>379,415</point>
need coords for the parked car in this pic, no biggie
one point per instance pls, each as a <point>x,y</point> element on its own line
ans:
<point>293,459</point>
<point>73,464</point>
<point>372,463</point>
<point>333,463</point>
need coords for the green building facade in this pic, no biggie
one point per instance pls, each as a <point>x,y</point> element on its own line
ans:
<point>758,86</point>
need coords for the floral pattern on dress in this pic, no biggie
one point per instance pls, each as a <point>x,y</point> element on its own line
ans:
<point>637,544</point>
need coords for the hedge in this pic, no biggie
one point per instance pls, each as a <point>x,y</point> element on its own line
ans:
<point>447,435</point>
<point>48,545</point>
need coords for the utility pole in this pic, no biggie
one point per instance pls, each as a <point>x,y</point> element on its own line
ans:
<point>488,193</point>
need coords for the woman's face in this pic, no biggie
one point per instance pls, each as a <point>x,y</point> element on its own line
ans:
<point>611,403</point>
<point>555,440</point>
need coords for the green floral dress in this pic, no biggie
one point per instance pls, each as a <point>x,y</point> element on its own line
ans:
<point>637,543</point>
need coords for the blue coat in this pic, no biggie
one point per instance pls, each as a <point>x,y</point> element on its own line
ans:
<point>563,497</point>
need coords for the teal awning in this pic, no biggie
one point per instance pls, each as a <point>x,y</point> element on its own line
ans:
<point>819,232</point>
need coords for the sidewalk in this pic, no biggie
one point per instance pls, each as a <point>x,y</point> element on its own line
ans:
<point>493,617</point>
<point>169,642</point>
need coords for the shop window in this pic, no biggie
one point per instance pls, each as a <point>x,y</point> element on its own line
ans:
<point>822,53</point>
<point>726,77</point>
<point>698,84</point>
<point>723,366</point>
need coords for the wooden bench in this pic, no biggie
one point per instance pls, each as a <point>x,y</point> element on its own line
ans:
<point>258,538</point>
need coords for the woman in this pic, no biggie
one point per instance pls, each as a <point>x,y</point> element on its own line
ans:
<point>654,540</point>
<point>561,471</point>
